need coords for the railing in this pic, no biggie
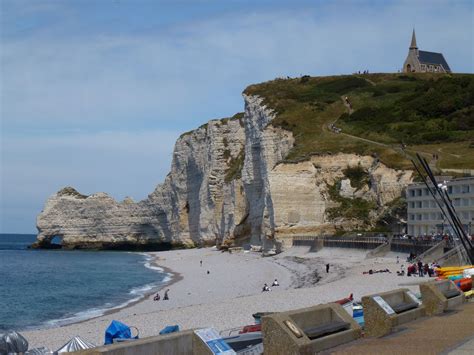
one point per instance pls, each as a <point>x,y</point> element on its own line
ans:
<point>416,246</point>
<point>340,241</point>
<point>449,254</point>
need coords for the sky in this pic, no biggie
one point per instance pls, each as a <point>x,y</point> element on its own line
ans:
<point>93,94</point>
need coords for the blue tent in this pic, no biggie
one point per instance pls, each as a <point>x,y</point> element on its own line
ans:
<point>170,329</point>
<point>117,330</point>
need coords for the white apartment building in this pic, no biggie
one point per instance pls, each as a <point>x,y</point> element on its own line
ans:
<point>425,217</point>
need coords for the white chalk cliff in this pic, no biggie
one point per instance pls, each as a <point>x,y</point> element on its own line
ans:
<point>228,184</point>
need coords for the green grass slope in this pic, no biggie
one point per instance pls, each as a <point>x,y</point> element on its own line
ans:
<point>432,114</point>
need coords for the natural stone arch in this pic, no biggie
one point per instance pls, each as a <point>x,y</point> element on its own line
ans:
<point>46,241</point>
<point>56,240</point>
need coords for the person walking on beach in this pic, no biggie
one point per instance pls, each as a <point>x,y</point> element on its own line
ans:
<point>420,268</point>
<point>201,263</point>
<point>165,297</point>
<point>327,268</point>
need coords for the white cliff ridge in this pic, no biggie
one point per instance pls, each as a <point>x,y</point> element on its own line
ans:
<point>228,184</point>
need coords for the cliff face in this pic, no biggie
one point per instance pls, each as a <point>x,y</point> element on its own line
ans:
<point>228,184</point>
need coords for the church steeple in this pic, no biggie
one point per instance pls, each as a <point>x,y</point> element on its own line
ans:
<point>413,41</point>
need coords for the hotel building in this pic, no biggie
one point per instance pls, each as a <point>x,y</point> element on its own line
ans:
<point>424,216</point>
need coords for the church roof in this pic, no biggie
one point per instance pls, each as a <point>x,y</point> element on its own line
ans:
<point>433,58</point>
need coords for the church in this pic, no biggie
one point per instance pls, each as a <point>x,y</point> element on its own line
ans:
<point>424,62</point>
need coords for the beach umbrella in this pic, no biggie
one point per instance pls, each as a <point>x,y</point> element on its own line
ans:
<point>75,344</point>
<point>13,342</point>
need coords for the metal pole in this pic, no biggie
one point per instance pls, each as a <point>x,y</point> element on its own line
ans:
<point>449,214</point>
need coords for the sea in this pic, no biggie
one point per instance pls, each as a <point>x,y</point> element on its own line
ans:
<point>47,288</point>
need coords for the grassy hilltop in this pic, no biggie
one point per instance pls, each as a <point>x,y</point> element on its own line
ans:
<point>428,113</point>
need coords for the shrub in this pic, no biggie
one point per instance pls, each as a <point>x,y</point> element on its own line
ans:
<point>356,208</point>
<point>358,176</point>
<point>304,79</point>
<point>436,136</point>
<point>235,167</point>
<point>343,85</point>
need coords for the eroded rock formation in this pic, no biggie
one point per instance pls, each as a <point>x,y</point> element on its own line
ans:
<point>229,184</point>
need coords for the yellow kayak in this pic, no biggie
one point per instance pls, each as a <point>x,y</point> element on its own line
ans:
<point>469,294</point>
<point>454,268</point>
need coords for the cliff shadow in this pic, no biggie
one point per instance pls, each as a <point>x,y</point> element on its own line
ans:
<point>194,178</point>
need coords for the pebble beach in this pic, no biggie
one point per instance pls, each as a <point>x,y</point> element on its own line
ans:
<point>227,289</point>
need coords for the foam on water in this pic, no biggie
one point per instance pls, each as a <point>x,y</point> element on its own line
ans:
<point>37,283</point>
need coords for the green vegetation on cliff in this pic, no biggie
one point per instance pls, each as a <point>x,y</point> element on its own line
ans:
<point>235,166</point>
<point>352,208</point>
<point>429,113</point>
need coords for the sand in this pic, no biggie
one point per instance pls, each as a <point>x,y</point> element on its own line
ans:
<point>228,296</point>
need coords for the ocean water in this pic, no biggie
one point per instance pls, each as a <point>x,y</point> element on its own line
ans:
<point>43,288</point>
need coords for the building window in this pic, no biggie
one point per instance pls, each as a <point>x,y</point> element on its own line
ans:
<point>450,189</point>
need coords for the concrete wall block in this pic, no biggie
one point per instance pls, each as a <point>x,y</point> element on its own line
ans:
<point>278,338</point>
<point>433,297</point>
<point>380,321</point>
<point>185,342</point>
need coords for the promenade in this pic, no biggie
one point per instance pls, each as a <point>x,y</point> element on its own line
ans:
<point>451,333</point>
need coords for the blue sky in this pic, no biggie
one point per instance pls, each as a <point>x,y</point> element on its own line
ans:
<point>95,93</point>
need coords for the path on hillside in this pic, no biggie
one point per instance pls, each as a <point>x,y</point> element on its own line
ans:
<point>403,151</point>
<point>454,155</point>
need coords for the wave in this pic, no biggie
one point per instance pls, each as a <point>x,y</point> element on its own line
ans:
<point>136,293</point>
<point>149,264</point>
